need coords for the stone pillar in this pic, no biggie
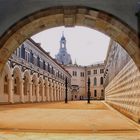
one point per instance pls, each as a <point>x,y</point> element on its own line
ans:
<point>11,88</point>
<point>30,92</point>
<point>60,92</point>
<point>43,97</point>
<point>21,91</point>
<point>55,92</point>
<point>45,91</point>
<point>48,90</point>
<point>52,96</point>
<point>37,92</point>
<point>63,93</point>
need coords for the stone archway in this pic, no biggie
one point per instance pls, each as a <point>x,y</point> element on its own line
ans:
<point>6,83</point>
<point>26,86</point>
<point>41,89</point>
<point>70,16</point>
<point>17,85</point>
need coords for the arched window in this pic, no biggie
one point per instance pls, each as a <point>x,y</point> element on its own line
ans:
<point>95,81</point>
<point>17,86</point>
<point>26,85</point>
<point>95,93</point>
<point>101,80</point>
<point>45,90</point>
<point>5,85</point>
<point>102,93</point>
<point>40,88</point>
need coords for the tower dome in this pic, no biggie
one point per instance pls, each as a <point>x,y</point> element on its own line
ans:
<point>63,57</point>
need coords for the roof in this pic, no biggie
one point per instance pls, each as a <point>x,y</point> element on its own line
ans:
<point>46,53</point>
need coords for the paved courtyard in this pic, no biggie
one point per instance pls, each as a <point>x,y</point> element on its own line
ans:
<point>75,120</point>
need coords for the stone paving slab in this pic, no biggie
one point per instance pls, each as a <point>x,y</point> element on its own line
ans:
<point>60,117</point>
<point>58,105</point>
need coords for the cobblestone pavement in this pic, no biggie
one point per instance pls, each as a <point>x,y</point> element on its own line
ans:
<point>75,120</point>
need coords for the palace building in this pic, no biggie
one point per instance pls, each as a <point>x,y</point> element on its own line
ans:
<point>32,75</point>
<point>80,75</point>
<point>79,80</point>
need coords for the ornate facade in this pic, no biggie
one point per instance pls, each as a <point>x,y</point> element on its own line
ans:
<point>122,82</point>
<point>79,79</point>
<point>31,75</point>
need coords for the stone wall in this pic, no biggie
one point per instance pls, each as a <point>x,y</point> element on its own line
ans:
<point>123,92</point>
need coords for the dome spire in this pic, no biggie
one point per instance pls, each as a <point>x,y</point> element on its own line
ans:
<point>63,41</point>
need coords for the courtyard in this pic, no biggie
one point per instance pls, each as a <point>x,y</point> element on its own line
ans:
<point>75,120</point>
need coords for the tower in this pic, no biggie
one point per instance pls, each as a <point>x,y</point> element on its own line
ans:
<point>63,57</point>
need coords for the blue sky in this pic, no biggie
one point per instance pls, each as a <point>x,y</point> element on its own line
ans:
<point>86,45</point>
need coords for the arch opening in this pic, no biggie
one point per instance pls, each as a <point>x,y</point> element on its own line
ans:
<point>69,16</point>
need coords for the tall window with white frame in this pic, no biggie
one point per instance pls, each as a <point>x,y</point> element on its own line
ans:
<point>101,80</point>
<point>95,81</point>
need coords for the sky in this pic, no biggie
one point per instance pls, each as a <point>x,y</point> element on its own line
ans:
<point>86,46</point>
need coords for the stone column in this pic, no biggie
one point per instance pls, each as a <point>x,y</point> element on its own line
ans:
<point>11,88</point>
<point>56,91</point>
<point>63,93</point>
<point>59,92</point>
<point>52,88</point>
<point>45,91</point>
<point>43,97</point>
<point>48,90</point>
<point>30,92</point>
<point>21,91</point>
<point>37,92</point>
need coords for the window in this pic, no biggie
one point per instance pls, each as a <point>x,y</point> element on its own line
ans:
<point>44,65</point>
<point>31,57</point>
<point>95,81</point>
<point>101,70</point>
<point>41,63</point>
<point>38,61</point>
<point>18,52</point>
<point>52,70</point>
<point>74,73</point>
<point>27,56</point>
<point>35,60</point>
<point>26,85</point>
<point>82,74</point>
<point>101,80</point>
<point>16,86</point>
<point>5,85</point>
<point>89,72</point>
<point>95,71</point>
<point>23,51</point>
<point>49,68</point>
<point>95,93</point>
